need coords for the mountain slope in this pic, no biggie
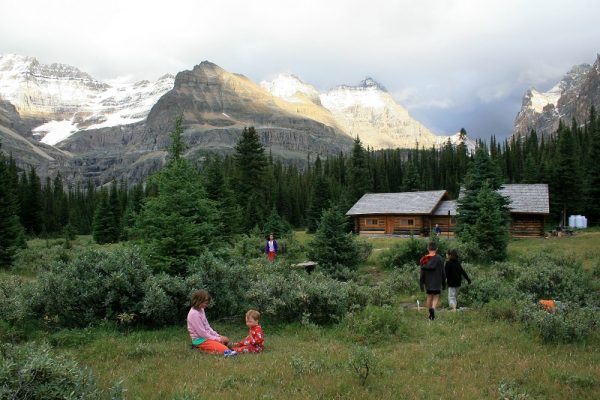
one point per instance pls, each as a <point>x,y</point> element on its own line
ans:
<point>58,100</point>
<point>572,97</point>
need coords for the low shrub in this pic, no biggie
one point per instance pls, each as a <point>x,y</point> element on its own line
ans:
<point>502,309</point>
<point>226,282</point>
<point>14,295</point>
<point>487,288</point>
<point>166,300</point>
<point>400,281</point>
<point>374,324</point>
<point>553,277</point>
<point>404,254</point>
<point>96,285</point>
<point>569,323</point>
<point>294,295</point>
<point>34,372</point>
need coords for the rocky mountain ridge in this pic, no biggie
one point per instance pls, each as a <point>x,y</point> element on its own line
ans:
<point>572,97</point>
<point>103,131</point>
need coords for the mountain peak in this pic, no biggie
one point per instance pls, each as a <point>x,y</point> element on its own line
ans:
<point>369,82</point>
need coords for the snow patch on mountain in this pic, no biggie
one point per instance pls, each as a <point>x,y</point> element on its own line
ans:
<point>70,100</point>
<point>288,86</point>
<point>539,100</point>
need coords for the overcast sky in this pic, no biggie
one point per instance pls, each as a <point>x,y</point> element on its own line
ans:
<point>452,64</point>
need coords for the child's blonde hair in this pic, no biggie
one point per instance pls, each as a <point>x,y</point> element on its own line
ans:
<point>255,315</point>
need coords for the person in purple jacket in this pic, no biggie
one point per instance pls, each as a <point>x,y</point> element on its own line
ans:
<point>271,248</point>
<point>204,338</point>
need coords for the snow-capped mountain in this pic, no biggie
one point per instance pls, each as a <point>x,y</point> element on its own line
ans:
<point>366,110</point>
<point>570,98</point>
<point>58,100</point>
<point>96,130</point>
<point>290,88</point>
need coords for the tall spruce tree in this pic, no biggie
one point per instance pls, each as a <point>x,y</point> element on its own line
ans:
<point>179,222</point>
<point>31,205</point>
<point>333,247</point>
<point>360,177</point>
<point>319,197</point>
<point>250,175</point>
<point>592,192</point>
<point>105,229</point>
<point>566,183</point>
<point>11,231</point>
<point>483,216</point>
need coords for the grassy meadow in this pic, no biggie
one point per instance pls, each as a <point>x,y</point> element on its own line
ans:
<point>462,355</point>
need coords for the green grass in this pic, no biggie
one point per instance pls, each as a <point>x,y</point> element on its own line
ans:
<point>584,245</point>
<point>461,355</point>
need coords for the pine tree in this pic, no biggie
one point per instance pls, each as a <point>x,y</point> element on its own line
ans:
<point>566,182</point>
<point>218,190</point>
<point>179,222</point>
<point>11,231</point>
<point>359,176</point>
<point>251,167</point>
<point>31,205</point>
<point>333,247</point>
<point>104,227</point>
<point>483,213</point>
<point>490,231</point>
<point>319,197</point>
<point>592,192</point>
<point>276,225</point>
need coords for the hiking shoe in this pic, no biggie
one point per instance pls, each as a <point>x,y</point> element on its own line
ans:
<point>229,353</point>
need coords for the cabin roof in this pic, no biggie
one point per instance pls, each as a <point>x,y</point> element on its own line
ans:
<point>398,203</point>
<point>527,198</point>
<point>444,207</point>
<point>524,199</point>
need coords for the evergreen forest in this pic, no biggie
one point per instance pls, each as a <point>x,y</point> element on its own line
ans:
<point>251,189</point>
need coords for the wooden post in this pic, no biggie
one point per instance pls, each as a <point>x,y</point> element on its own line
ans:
<point>448,234</point>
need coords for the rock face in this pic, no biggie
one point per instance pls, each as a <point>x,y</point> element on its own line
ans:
<point>570,98</point>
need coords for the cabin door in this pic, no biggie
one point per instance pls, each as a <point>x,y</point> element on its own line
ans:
<point>389,224</point>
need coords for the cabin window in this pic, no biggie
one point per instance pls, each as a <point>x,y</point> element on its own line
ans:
<point>407,221</point>
<point>373,221</point>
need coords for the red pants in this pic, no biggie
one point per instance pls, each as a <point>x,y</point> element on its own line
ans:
<point>272,256</point>
<point>212,346</point>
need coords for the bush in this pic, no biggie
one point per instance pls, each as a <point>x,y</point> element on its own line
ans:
<point>96,285</point>
<point>553,277</point>
<point>365,249</point>
<point>502,309</point>
<point>166,300</point>
<point>400,281</point>
<point>486,289</point>
<point>33,372</point>
<point>570,323</point>
<point>375,324</point>
<point>226,282</point>
<point>404,254</point>
<point>249,246</point>
<point>14,295</point>
<point>293,295</point>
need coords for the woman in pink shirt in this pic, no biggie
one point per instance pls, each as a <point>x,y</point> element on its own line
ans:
<point>204,338</point>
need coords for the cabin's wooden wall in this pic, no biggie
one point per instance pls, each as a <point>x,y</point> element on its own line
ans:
<point>527,225</point>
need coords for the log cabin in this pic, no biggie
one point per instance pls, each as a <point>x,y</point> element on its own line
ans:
<point>417,213</point>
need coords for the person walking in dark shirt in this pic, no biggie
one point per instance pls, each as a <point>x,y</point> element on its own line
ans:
<point>433,278</point>
<point>454,274</point>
